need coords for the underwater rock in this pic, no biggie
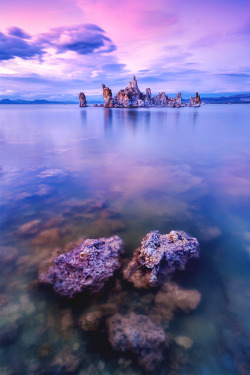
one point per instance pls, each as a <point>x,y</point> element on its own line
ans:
<point>90,321</point>
<point>172,297</point>
<point>82,100</point>
<point>9,334</point>
<point>184,341</point>
<point>47,236</point>
<point>30,228</point>
<point>85,268</point>
<point>4,299</point>
<point>67,320</point>
<point>8,255</point>
<point>159,256</point>
<point>65,363</point>
<point>137,334</point>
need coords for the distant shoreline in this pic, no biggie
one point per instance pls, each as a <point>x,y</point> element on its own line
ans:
<point>234,99</point>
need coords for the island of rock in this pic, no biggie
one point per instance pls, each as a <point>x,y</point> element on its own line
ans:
<point>159,256</point>
<point>132,97</point>
<point>85,268</point>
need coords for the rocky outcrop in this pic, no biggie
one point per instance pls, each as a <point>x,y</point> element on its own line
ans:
<point>82,100</point>
<point>132,97</point>
<point>107,95</point>
<point>195,102</point>
<point>161,99</point>
<point>85,268</point>
<point>137,334</point>
<point>159,257</point>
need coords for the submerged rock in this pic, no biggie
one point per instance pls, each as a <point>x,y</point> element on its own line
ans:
<point>172,298</point>
<point>8,255</point>
<point>137,334</point>
<point>85,268</point>
<point>82,100</point>
<point>9,334</point>
<point>159,257</point>
<point>65,363</point>
<point>184,341</point>
<point>90,321</point>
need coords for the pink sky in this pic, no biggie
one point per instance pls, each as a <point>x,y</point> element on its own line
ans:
<point>67,46</point>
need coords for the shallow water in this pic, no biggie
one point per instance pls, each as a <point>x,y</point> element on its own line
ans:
<point>71,172</point>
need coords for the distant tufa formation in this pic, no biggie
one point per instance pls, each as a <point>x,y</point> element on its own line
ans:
<point>132,97</point>
<point>82,100</point>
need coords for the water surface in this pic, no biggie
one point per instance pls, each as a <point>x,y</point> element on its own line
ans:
<point>69,172</point>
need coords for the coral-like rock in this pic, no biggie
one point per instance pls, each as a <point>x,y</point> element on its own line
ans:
<point>85,268</point>
<point>137,334</point>
<point>82,100</point>
<point>159,257</point>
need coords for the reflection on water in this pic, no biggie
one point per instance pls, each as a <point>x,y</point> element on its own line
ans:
<point>68,172</point>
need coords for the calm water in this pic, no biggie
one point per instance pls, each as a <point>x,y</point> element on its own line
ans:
<point>71,172</point>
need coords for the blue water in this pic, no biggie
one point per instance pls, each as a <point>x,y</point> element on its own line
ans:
<point>71,172</point>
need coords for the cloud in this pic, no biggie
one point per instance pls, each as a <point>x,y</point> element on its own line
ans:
<point>19,33</point>
<point>82,39</point>
<point>11,47</point>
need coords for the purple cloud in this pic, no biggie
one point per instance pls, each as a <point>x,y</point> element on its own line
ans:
<point>19,33</point>
<point>82,39</point>
<point>11,47</point>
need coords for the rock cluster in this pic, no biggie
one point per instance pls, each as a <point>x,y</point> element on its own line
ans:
<point>85,268</point>
<point>132,97</point>
<point>159,257</point>
<point>137,334</point>
<point>82,100</point>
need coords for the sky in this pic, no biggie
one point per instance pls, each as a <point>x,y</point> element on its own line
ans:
<point>53,49</point>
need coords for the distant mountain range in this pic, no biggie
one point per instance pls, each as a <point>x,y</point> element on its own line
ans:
<point>37,101</point>
<point>233,99</point>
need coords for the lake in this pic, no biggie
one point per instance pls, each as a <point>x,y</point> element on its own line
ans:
<point>70,172</point>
